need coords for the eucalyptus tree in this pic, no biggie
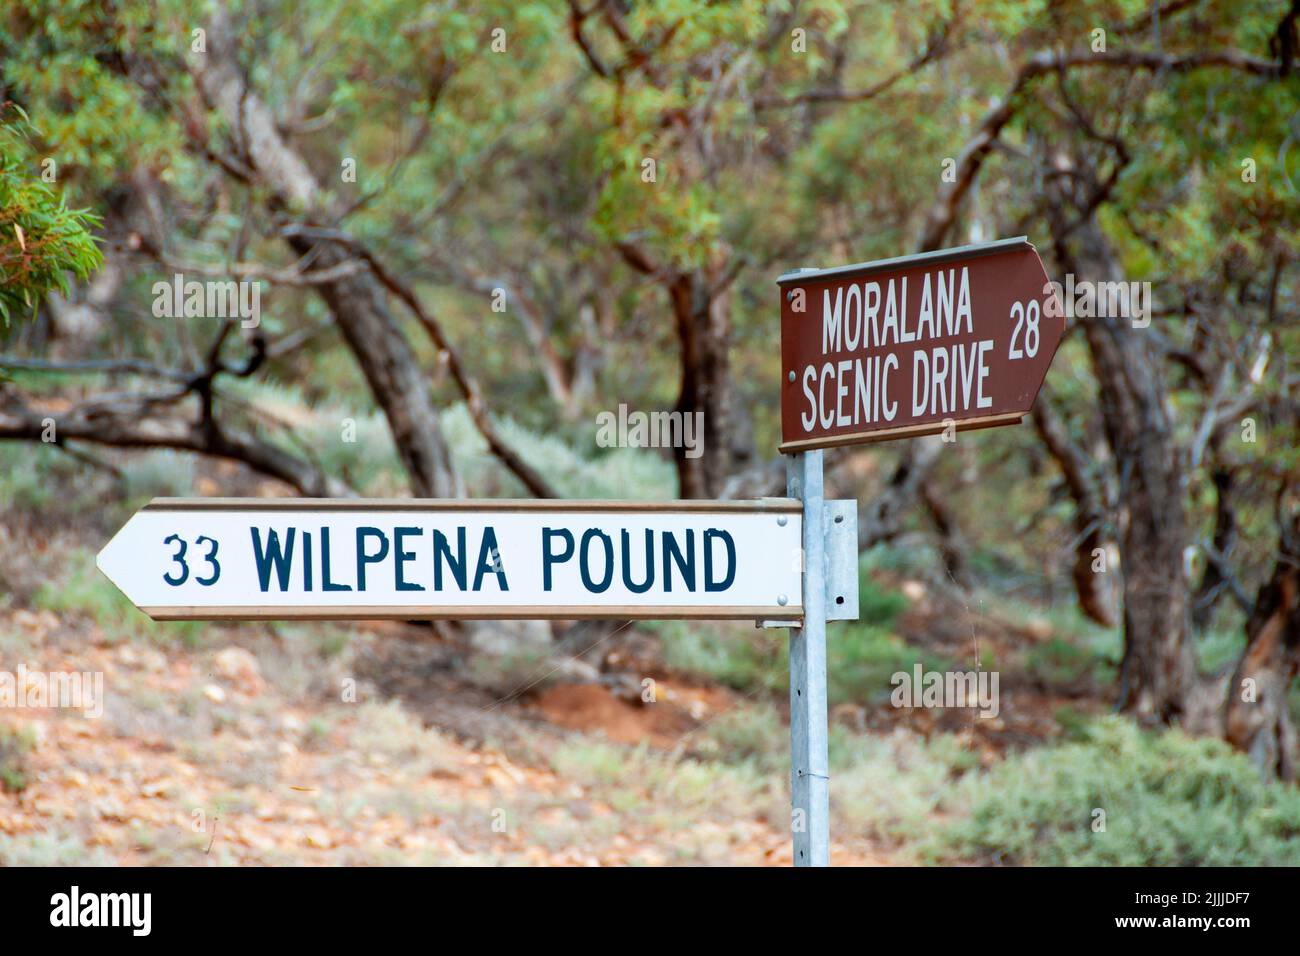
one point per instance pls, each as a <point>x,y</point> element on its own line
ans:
<point>224,130</point>
<point>553,207</point>
<point>1157,151</point>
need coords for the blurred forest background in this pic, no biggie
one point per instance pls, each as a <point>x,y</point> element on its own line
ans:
<point>478,225</point>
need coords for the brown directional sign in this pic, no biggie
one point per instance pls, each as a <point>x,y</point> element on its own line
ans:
<point>905,347</point>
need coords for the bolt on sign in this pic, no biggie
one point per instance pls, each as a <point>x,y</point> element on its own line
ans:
<point>910,346</point>
<point>248,559</point>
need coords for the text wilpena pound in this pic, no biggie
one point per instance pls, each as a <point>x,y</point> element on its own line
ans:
<point>272,559</point>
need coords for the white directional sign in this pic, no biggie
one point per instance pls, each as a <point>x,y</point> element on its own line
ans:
<point>195,559</point>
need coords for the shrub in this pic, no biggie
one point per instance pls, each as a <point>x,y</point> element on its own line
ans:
<point>84,590</point>
<point>860,655</point>
<point>15,745</point>
<point>45,849</point>
<point>633,474</point>
<point>389,730</point>
<point>1169,800</point>
<point>1062,663</point>
<point>750,661</point>
<point>35,477</point>
<point>884,786</point>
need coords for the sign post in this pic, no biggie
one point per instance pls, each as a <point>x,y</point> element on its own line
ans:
<point>958,339</point>
<point>950,340</point>
<point>350,559</point>
<point>809,757</point>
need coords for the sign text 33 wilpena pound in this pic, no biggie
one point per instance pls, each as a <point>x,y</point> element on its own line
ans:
<point>302,558</point>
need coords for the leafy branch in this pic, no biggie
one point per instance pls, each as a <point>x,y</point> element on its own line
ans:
<point>42,241</point>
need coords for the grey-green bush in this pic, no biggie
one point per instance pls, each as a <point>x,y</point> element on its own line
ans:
<point>1169,800</point>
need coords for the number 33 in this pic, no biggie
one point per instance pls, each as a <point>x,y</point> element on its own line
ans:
<point>176,580</point>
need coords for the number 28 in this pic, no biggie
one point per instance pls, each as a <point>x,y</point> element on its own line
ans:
<point>1027,318</point>
<point>176,579</point>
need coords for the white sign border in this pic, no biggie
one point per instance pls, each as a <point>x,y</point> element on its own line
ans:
<point>774,506</point>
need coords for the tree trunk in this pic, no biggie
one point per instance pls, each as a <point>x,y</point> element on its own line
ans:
<point>704,334</point>
<point>881,518</point>
<point>360,308</point>
<point>1256,719</point>
<point>952,543</point>
<point>1214,580</point>
<point>359,302</point>
<point>1158,675</point>
<point>1089,513</point>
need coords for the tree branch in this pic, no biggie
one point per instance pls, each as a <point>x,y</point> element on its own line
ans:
<point>944,211</point>
<point>532,479</point>
<point>1089,511</point>
<point>157,421</point>
<point>935,48</point>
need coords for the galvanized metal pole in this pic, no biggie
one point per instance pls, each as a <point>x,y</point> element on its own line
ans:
<point>809,760</point>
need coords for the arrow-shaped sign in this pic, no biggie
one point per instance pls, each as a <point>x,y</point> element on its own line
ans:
<point>217,558</point>
<point>909,346</point>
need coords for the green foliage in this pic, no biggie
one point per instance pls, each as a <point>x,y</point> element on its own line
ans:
<point>1169,800</point>
<point>158,473</point>
<point>42,241</point>
<point>748,734</point>
<point>15,745</point>
<point>36,477</point>
<point>1061,662</point>
<point>370,463</point>
<point>41,477</point>
<point>891,787</point>
<point>888,787</point>
<point>391,732</point>
<point>664,789</point>
<point>861,655</point>
<point>748,661</point>
<point>42,849</point>
<point>1219,648</point>
<point>629,473</point>
<point>83,590</point>
<point>861,658</point>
